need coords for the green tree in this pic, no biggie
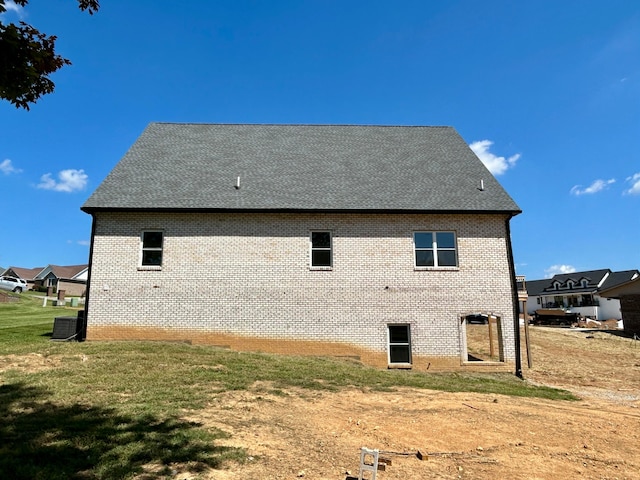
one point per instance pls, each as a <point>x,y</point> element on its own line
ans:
<point>28,57</point>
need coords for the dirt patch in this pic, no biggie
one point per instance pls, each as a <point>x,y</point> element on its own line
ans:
<point>31,362</point>
<point>318,435</point>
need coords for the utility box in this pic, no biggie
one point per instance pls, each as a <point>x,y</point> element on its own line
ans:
<point>66,329</point>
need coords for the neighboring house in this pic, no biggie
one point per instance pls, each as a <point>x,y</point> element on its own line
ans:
<point>367,241</point>
<point>71,278</point>
<point>27,274</point>
<point>628,294</point>
<point>579,293</point>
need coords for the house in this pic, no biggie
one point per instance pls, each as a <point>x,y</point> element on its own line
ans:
<point>361,241</point>
<point>579,293</point>
<point>71,278</point>
<point>628,294</point>
<point>26,274</point>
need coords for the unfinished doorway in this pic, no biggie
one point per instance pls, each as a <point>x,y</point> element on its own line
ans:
<point>481,338</point>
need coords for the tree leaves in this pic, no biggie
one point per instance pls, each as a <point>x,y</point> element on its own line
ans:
<point>28,57</point>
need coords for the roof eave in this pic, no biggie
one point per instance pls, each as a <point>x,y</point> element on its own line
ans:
<point>92,210</point>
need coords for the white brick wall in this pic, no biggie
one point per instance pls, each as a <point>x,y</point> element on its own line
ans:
<point>248,274</point>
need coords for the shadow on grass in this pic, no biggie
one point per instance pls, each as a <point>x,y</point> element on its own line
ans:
<point>42,440</point>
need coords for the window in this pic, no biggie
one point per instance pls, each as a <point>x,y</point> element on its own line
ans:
<point>435,249</point>
<point>151,249</point>
<point>399,344</point>
<point>321,249</point>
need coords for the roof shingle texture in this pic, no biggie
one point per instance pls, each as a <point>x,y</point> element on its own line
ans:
<point>300,167</point>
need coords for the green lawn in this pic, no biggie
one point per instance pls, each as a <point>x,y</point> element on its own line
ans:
<point>109,410</point>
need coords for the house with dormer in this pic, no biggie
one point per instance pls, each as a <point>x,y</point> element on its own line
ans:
<point>579,293</point>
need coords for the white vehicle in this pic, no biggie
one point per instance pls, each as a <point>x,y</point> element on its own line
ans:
<point>13,284</point>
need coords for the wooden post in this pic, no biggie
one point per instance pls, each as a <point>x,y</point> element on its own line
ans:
<point>491,347</point>
<point>526,333</point>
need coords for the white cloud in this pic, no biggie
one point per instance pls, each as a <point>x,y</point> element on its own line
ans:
<point>70,180</point>
<point>557,269</point>
<point>496,165</point>
<point>7,168</point>
<point>595,187</point>
<point>634,180</point>
<point>84,243</point>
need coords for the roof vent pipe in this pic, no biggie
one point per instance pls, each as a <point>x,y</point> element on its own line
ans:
<point>237,185</point>
<point>481,185</point>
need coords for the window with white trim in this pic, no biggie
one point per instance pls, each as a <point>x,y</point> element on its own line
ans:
<point>435,249</point>
<point>321,250</point>
<point>151,255</point>
<point>399,344</point>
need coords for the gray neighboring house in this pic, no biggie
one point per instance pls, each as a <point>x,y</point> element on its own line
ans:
<point>345,240</point>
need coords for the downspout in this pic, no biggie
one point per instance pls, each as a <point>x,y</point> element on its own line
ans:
<point>88,291</point>
<point>516,302</point>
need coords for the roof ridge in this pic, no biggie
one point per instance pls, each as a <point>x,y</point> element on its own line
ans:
<point>367,125</point>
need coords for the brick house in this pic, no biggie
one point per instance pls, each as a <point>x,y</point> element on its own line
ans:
<point>628,294</point>
<point>367,241</point>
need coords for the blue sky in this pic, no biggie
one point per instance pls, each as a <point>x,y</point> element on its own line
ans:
<point>546,92</point>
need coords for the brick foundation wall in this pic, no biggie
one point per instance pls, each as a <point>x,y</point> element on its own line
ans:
<point>72,289</point>
<point>248,276</point>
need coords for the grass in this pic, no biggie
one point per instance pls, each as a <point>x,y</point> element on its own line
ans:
<point>112,410</point>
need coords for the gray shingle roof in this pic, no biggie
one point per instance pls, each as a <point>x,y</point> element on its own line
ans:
<point>300,167</point>
<point>618,278</point>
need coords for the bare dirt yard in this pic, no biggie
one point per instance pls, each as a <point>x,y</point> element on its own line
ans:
<point>318,435</point>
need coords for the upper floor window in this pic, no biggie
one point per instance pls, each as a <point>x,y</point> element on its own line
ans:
<point>321,254</point>
<point>435,249</point>
<point>151,249</point>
